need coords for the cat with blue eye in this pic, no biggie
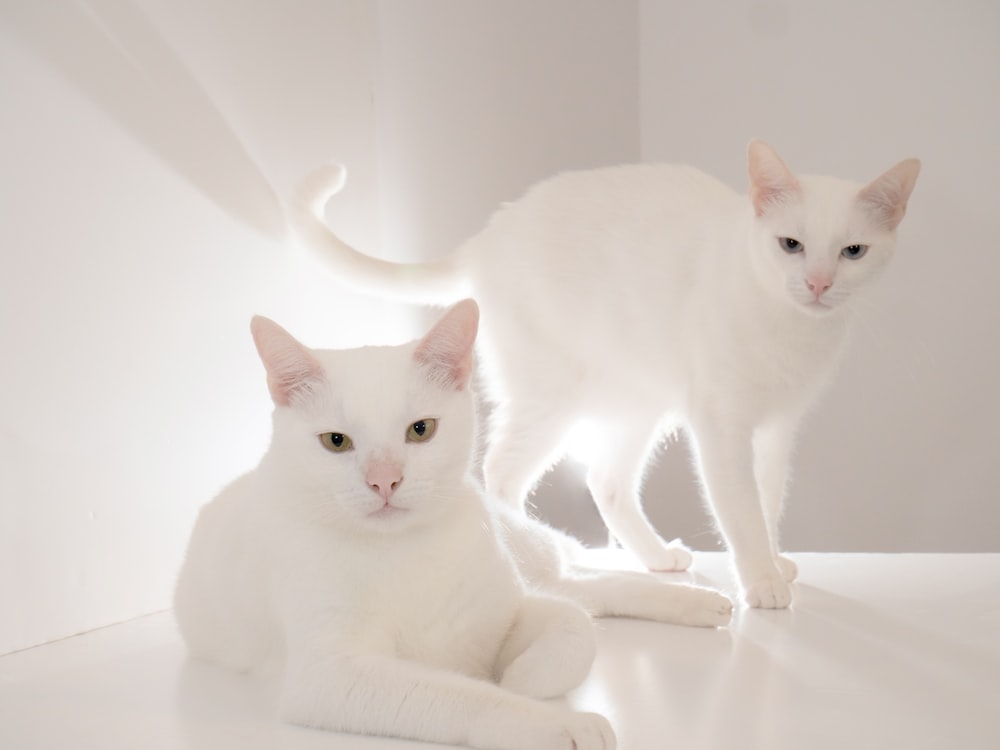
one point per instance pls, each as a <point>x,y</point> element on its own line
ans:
<point>643,299</point>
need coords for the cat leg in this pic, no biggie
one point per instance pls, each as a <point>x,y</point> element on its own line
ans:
<point>523,446</point>
<point>377,694</point>
<point>643,596</point>
<point>724,450</point>
<point>772,443</point>
<point>555,563</point>
<point>614,477</point>
<point>549,650</point>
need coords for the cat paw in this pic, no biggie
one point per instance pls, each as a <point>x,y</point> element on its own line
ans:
<point>771,593</point>
<point>582,731</point>
<point>559,730</point>
<point>667,558</point>
<point>707,609</point>
<point>789,570</point>
<point>592,732</point>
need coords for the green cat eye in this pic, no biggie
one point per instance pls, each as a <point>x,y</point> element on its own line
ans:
<point>421,431</point>
<point>336,442</point>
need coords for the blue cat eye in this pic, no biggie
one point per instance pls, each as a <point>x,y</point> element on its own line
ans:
<point>791,245</point>
<point>853,252</point>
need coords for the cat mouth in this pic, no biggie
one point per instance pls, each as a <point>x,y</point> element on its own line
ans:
<point>817,307</point>
<point>388,510</point>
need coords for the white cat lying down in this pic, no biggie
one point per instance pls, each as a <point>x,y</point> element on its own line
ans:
<point>361,554</point>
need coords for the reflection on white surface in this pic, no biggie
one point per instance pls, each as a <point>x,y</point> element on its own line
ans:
<point>879,651</point>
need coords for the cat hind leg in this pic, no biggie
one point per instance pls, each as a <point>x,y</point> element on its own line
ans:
<point>606,593</point>
<point>523,446</point>
<point>614,477</point>
<point>549,650</point>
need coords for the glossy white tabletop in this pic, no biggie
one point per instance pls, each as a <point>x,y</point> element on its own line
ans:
<point>878,651</point>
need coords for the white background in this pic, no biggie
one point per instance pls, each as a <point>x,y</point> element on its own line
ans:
<point>146,144</point>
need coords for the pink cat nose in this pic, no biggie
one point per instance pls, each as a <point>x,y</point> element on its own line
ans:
<point>384,478</point>
<point>818,284</point>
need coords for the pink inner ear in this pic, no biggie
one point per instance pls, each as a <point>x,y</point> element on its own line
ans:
<point>887,196</point>
<point>448,349</point>
<point>771,181</point>
<point>291,367</point>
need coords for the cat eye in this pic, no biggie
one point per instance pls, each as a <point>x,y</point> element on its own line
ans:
<point>853,252</point>
<point>790,245</point>
<point>336,442</point>
<point>421,431</point>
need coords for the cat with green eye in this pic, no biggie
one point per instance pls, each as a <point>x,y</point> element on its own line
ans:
<point>363,555</point>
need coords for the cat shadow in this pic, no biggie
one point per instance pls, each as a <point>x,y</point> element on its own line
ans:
<point>121,62</point>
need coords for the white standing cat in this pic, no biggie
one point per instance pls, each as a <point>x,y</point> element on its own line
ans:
<point>643,298</point>
<point>361,556</point>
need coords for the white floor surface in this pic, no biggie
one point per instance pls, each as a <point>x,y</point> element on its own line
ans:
<point>878,651</point>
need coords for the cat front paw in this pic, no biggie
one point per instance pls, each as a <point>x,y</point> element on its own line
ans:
<point>592,732</point>
<point>789,570</point>
<point>582,731</point>
<point>559,730</point>
<point>771,593</point>
<point>706,608</point>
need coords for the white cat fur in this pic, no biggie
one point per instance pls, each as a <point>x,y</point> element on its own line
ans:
<point>380,578</point>
<point>642,298</point>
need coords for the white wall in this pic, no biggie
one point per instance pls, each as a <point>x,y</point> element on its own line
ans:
<point>141,147</point>
<point>144,145</point>
<point>901,454</point>
<point>477,100</point>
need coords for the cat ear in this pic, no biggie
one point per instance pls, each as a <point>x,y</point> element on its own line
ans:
<point>447,350</point>
<point>291,368</point>
<point>886,196</point>
<point>771,182</point>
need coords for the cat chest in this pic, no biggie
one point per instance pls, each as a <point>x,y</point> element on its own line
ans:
<point>760,361</point>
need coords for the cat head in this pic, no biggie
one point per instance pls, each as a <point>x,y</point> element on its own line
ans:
<point>819,240</point>
<point>376,438</point>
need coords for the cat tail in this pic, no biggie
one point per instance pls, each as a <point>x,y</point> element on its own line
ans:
<point>435,283</point>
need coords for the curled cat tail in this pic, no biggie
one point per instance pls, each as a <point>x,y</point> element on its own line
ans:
<point>435,282</point>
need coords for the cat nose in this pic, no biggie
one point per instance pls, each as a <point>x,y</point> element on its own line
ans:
<point>818,284</point>
<point>384,478</point>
